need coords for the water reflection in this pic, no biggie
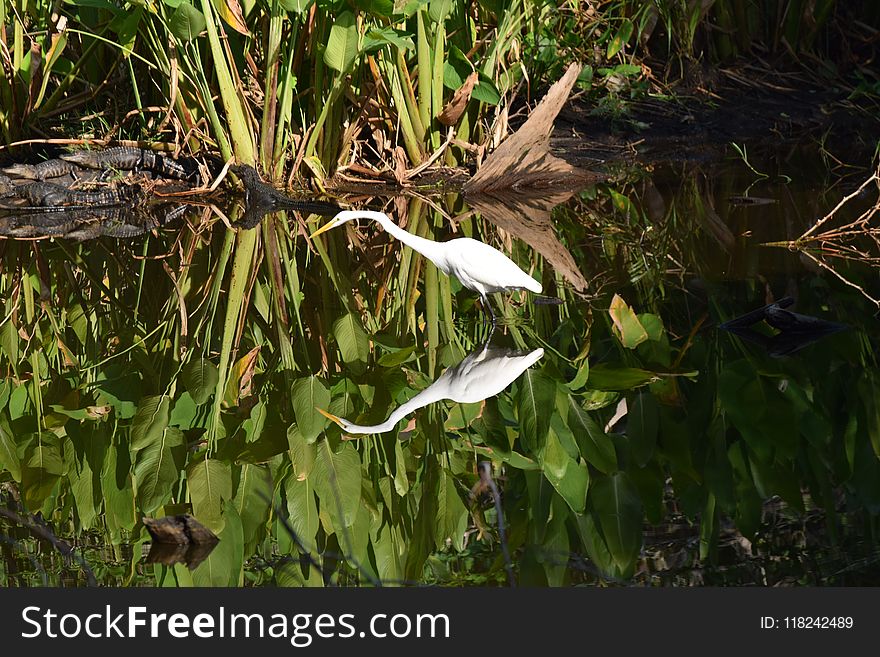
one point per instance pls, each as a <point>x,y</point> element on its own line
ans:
<point>481,374</point>
<point>794,331</point>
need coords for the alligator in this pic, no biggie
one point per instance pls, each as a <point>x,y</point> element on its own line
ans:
<point>5,184</point>
<point>260,195</point>
<point>128,158</point>
<point>48,169</point>
<point>44,194</point>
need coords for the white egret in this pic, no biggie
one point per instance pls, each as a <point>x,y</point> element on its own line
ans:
<point>482,374</point>
<point>478,266</point>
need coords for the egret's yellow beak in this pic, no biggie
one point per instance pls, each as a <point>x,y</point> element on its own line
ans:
<point>329,416</point>
<point>324,229</point>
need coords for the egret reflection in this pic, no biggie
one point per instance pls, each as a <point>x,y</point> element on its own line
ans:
<point>482,374</point>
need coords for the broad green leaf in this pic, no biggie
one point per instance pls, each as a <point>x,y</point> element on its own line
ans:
<point>642,426</point>
<point>438,10</point>
<point>302,454</point>
<point>353,342</point>
<point>302,509</point>
<point>252,501</point>
<point>187,22</point>
<point>125,26</point>
<point>377,38</point>
<point>342,45</point>
<point>610,377</point>
<point>337,480</point>
<point>619,510</point>
<point>210,485</point>
<point>452,515</point>
<point>568,477</point>
<point>398,357</point>
<point>8,456</point>
<point>535,397</point>
<point>200,378</point>
<point>150,421</point>
<point>296,6</point>
<point>42,466</point>
<point>155,472</point>
<point>375,7</point>
<point>595,445</point>
<point>594,543</point>
<point>223,567</point>
<point>627,327</point>
<point>308,395</point>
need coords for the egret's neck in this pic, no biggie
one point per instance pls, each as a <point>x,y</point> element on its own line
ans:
<point>430,394</point>
<point>433,251</point>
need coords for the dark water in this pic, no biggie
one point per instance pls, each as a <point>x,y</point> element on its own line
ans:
<point>180,371</point>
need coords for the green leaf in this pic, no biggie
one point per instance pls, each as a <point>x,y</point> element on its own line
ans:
<point>302,509</point>
<point>210,484</point>
<point>296,6</point>
<point>624,32</point>
<point>155,472</point>
<point>353,342</point>
<point>398,357</point>
<point>619,510</point>
<point>627,327</point>
<point>610,377</point>
<point>8,456</point>
<point>377,38</point>
<point>308,395</point>
<point>150,421</point>
<point>337,480</point>
<point>187,22</point>
<point>535,398</point>
<point>41,469</point>
<point>342,46</point>
<point>200,377</point>
<point>438,10</point>
<point>375,7</point>
<point>568,477</point>
<point>223,567</point>
<point>595,445</point>
<point>642,425</point>
<point>452,515</point>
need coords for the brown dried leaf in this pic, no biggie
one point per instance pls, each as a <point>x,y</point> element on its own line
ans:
<point>230,11</point>
<point>455,107</point>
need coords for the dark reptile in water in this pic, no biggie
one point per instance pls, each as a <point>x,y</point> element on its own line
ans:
<point>259,194</point>
<point>43,194</point>
<point>127,158</point>
<point>49,169</point>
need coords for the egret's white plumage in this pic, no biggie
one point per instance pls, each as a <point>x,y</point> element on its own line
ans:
<point>482,374</point>
<point>478,266</point>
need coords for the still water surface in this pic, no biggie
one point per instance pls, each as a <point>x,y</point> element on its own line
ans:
<point>630,438</point>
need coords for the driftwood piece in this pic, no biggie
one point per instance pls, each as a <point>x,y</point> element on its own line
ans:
<point>528,218</point>
<point>524,159</point>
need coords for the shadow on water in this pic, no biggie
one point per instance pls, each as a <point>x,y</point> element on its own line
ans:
<point>168,365</point>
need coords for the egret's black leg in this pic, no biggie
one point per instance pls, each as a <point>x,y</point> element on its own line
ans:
<point>487,307</point>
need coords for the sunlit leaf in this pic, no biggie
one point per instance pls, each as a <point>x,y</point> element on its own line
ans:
<point>302,509</point>
<point>155,472</point>
<point>342,45</point>
<point>627,327</point>
<point>187,22</point>
<point>624,32</point>
<point>609,377</point>
<point>308,395</point>
<point>230,12</point>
